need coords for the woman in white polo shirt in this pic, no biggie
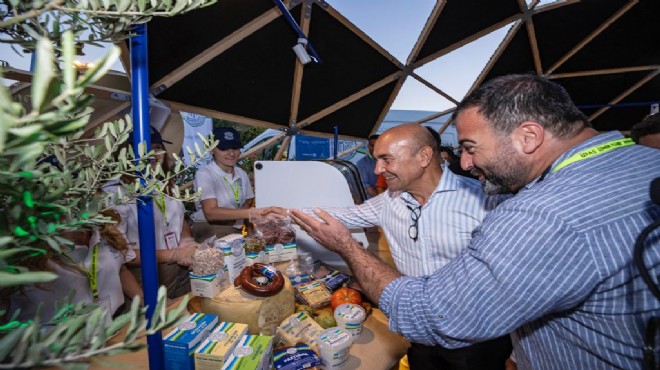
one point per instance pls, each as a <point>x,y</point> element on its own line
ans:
<point>226,190</point>
<point>173,236</point>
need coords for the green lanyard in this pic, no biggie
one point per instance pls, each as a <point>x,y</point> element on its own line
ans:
<point>92,273</point>
<point>594,151</point>
<point>236,190</point>
<point>162,206</point>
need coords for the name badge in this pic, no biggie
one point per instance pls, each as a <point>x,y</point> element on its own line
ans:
<point>170,240</point>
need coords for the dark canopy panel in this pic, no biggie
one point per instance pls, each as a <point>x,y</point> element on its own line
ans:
<point>349,65</point>
<point>253,76</point>
<point>557,32</point>
<point>464,18</point>
<point>631,109</point>
<point>570,25</point>
<point>352,118</point>
<point>174,41</point>
<point>629,41</point>
<point>516,58</point>
<point>633,40</point>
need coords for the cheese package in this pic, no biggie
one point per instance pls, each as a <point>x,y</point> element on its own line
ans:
<point>252,352</point>
<point>299,327</point>
<point>181,342</point>
<point>333,279</point>
<point>218,346</point>
<point>314,294</point>
<point>282,252</point>
<point>295,357</point>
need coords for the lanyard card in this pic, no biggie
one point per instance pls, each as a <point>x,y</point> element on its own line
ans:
<point>170,240</point>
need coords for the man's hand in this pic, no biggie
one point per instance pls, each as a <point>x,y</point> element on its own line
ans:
<point>267,212</point>
<point>372,273</point>
<point>329,232</point>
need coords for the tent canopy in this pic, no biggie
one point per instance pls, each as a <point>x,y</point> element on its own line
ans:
<point>605,53</point>
<point>234,60</point>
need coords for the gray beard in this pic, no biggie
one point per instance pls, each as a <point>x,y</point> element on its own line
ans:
<point>492,188</point>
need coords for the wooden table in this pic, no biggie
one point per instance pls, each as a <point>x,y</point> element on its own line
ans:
<point>376,349</point>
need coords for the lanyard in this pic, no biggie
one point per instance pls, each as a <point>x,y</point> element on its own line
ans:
<point>162,206</point>
<point>92,273</point>
<point>236,190</point>
<point>594,151</point>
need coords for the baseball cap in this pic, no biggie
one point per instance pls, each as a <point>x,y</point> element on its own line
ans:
<point>228,138</point>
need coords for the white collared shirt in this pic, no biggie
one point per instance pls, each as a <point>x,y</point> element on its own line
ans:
<point>218,184</point>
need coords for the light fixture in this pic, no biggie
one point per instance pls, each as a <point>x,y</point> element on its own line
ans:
<point>301,51</point>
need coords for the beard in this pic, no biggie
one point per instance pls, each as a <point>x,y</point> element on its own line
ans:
<point>504,174</point>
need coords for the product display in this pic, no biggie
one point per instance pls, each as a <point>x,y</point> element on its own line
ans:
<point>261,298</point>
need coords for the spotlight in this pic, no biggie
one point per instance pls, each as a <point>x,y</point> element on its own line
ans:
<point>301,52</point>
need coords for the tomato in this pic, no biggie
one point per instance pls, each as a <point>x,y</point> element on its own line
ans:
<point>345,295</point>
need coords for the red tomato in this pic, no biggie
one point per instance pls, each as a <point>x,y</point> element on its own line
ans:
<point>345,295</point>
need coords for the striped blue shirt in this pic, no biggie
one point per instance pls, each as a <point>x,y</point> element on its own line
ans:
<point>554,266</point>
<point>446,223</point>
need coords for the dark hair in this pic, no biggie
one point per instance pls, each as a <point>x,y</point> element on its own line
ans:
<point>507,101</point>
<point>648,126</point>
<point>373,137</point>
<point>436,136</point>
<point>450,152</point>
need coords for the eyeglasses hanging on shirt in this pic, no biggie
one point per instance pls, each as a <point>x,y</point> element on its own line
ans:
<point>415,214</point>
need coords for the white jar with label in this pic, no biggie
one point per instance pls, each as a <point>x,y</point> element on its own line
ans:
<point>334,345</point>
<point>350,317</point>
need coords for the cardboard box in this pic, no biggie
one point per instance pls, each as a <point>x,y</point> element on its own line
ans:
<point>235,259</point>
<point>282,252</point>
<point>214,351</point>
<point>207,285</point>
<point>181,342</point>
<point>274,253</point>
<point>252,352</point>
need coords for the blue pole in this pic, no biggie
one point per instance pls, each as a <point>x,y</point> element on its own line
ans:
<point>336,142</point>
<point>142,132</point>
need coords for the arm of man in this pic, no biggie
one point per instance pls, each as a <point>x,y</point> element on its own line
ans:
<point>373,273</point>
<point>500,282</point>
<point>366,214</point>
<point>521,265</point>
<point>213,212</point>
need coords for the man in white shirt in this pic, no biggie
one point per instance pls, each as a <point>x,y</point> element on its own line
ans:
<point>428,215</point>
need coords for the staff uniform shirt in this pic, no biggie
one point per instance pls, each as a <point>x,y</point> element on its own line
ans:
<point>218,184</point>
<point>167,225</point>
<point>445,226</point>
<point>111,296</point>
<point>553,265</point>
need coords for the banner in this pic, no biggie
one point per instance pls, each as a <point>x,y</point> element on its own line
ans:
<point>193,125</point>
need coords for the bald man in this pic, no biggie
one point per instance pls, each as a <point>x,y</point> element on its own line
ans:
<point>428,216</point>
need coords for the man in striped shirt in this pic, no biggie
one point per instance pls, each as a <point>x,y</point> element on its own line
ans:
<point>554,264</point>
<point>428,216</point>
